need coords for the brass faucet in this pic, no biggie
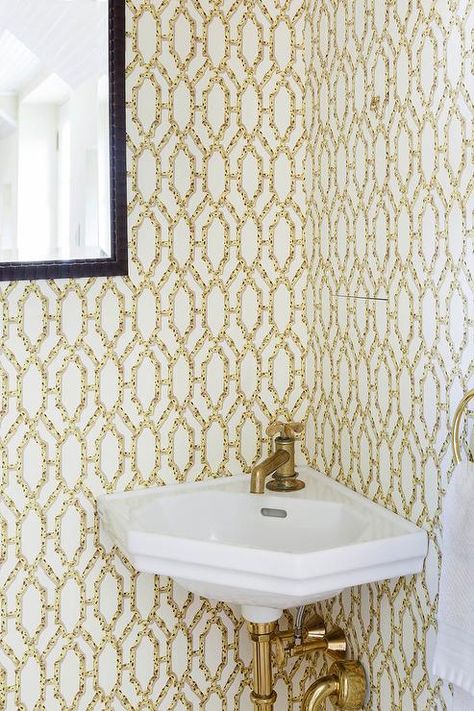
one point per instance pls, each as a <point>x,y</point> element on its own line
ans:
<point>281,463</point>
<point>265,468</point>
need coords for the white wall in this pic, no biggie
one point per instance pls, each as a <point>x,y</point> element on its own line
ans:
<point>82,113</point>
<point>37,179</point>
<point>8,177</point>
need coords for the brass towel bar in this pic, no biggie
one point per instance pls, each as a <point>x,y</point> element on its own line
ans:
<point>457,424</point>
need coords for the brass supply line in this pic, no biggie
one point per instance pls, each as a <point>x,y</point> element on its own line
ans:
<point>299,620</point>
<point>345,685</point>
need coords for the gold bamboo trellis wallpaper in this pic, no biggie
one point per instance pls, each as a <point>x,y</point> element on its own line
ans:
<point>267,185</point>
<point>391,92</point>
<point>171,374</point>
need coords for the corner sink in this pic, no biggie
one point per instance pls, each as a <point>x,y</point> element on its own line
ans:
<point>264,552</point>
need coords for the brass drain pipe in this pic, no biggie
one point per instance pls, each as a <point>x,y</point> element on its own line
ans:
<point>345,685</point>
<point>263,694</point>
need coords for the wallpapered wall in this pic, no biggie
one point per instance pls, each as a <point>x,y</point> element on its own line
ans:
<point>264,190</point>
<point>171,374</point>
<point>391,94</point>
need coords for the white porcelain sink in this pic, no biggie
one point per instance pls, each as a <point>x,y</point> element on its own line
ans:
<point>264,552</point>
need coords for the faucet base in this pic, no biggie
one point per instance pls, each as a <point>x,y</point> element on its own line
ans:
<point>281,483</point>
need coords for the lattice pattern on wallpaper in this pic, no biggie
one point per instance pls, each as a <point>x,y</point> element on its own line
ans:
<point>391,94</point>
<point>161,377</point>
<point>231,316</point>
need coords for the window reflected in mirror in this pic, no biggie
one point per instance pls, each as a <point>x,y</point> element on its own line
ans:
<point>55,178</point>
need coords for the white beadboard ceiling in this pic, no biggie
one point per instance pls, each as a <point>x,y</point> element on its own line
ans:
<point>64,37</point>
<point>18,65</point>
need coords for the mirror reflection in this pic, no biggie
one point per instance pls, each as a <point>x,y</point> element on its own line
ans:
<point>54,130</point>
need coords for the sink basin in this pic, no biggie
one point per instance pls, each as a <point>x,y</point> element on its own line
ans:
<point>264,552</point>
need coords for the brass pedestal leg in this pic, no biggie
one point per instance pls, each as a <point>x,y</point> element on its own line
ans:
<point>263,695</point>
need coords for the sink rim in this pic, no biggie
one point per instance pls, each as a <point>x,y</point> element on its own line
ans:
<point>177,552</point>
<point>285,539</point>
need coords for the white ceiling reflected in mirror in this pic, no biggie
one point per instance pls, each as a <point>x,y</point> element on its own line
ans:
<point>55,137</point>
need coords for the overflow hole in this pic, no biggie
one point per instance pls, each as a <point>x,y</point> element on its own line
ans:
<point>274,513</point>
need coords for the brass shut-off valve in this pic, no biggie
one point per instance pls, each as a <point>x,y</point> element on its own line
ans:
<point>315,638</point>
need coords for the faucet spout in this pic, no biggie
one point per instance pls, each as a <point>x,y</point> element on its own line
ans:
<point>265,468</point>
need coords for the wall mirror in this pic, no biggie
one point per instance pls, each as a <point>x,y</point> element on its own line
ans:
<point>63,206</point>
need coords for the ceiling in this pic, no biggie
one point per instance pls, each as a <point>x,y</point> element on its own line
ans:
<point>67,38</point>
<point>18,65</point>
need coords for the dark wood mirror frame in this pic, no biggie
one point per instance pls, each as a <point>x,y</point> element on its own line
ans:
<point>117,264</point>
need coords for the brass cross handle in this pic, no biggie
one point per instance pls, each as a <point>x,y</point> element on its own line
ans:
<point>286,430</point>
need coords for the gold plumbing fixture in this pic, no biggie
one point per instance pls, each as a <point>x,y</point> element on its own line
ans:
<point>346,683</point>
<point>281,464</point>
<point>263,694</point>
<point>457,424</point>
<point>315,638</point>
<point>264,469</point>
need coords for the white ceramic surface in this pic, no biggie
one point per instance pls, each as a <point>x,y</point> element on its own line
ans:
<point>264,552</point>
